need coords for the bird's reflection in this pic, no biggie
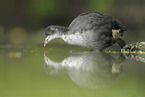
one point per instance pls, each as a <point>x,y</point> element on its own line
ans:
<point>92,69</point>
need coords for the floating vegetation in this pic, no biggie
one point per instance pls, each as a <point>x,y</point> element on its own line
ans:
<point>132,51</point>
<point>135,48</point>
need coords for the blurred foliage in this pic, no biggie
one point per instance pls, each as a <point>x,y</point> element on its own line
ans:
<point>102,5</point>
<point>18,36</point>
<point>34,15</point>
<point>40,13</point>
<point>45,7</point>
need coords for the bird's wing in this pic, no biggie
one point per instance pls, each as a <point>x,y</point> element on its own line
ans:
<point>86,21</point>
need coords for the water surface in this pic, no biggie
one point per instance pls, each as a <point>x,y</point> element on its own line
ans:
<point>52,72</point>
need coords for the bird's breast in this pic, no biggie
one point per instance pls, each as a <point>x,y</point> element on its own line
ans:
<point>75,39</point>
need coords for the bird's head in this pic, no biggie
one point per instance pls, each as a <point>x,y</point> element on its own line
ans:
<point>50,33</point>
<point>53,32</point>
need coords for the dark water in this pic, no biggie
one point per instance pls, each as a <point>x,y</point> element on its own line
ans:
<point>39,72</point>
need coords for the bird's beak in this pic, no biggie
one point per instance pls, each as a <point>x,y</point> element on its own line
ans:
<point>46,41</point>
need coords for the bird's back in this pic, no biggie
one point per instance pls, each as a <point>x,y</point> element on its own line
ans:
<point>95,20</point>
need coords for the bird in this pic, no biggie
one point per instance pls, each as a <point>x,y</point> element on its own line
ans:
<point>93,30</point>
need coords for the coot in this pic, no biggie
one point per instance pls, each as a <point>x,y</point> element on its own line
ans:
<point>93,30</point>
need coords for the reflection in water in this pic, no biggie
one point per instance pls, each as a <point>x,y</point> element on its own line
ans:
<point>92,69</point>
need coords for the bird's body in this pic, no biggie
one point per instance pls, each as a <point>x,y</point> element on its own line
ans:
<point>88,39</point>
<point>92,30</point>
